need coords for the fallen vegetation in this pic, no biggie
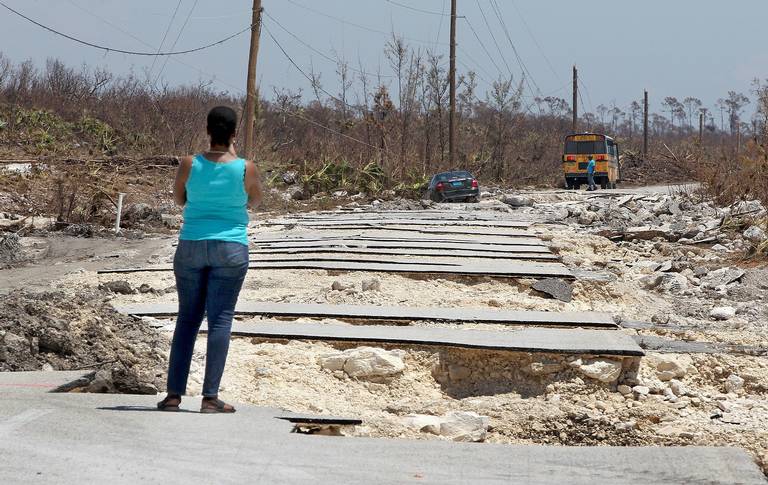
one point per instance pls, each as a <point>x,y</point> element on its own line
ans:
<point>59,330</point>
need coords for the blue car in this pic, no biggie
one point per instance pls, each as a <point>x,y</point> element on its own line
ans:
<point>457,185</point>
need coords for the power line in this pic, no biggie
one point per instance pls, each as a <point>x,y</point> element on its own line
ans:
<point>469,69</point>
<point>490,31</point>
<point>173,46</point>
<point>431,12</point>
<point>243,13</point>
<point>165,36</point>
<point>329,129</point>
<point>143,42</point>
<point>538,46</point>
<point>322,54</point>
<point>589,98</point>
<point>500,17</point>
<point>309,78</point>
<point>482,44</point>
<point>122,51</point>
<point>363,27</point>
<point>242,91</point>
<point>440,25</point>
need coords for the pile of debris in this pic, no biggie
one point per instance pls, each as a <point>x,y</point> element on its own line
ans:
<point>682,217</point>
<point>60,331</point>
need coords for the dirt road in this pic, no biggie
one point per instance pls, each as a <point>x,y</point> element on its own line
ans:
<point>674,283</point>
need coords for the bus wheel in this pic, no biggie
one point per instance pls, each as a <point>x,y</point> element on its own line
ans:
<point>604,183</point>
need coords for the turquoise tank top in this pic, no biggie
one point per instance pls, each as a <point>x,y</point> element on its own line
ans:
<point>217,202</point>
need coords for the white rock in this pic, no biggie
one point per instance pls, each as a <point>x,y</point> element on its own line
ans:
<point>754,234</point>
<point>373,284</point>
<point>670,367</point>
<point>624,389</point>
<point>464,426</point>
<point>641,390</point>
<point>721,277</point>
<point>586,218</point>
<point>626,426</point>
<point>725,406</point>
<point>672,283</point>
<point>366,362</point>
<point>651,281</point>
<point>559,214</point>
<point>332,362</point>
<point>515,201</point>
<point>677,387</point>
<point>734,384</point>
<point>719,248</point>
<point>603,370</point>
<point>423,422</point>
<point>722,313</point>
<point>670,430</point>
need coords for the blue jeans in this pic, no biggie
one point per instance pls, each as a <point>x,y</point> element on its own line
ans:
<point>209,275</point>
<point>591,180</point>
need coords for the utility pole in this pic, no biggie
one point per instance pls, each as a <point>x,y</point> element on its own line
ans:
<point>575,99</point>
<point>701,127</point>
<point>645,125</point>
<point>251,95</point>
<point>452,76</point>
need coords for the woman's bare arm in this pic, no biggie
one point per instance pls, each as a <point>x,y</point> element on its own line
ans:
<point>253,184</point>
<point>180,183</point>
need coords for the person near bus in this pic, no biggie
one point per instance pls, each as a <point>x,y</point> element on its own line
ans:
<point>215,188</point>
<point>591,174</point>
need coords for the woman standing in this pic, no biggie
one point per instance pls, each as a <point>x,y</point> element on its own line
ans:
<point>215,188</point>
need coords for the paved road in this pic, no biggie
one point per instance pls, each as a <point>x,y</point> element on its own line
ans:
<point>95,438</point>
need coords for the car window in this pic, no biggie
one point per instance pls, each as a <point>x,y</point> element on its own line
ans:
<point>462,174</point>
<point>442,177</point>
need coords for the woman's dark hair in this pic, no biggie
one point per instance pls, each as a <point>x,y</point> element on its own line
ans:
<point>222,123</point>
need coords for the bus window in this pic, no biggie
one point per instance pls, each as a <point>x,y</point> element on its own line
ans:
<point>585,147</point>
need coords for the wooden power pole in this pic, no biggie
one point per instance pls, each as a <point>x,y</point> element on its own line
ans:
<point>645,125</point>
<point>251,95</point>
<point>575,99</point>
<point>452,80</point>
<point>701,127</point>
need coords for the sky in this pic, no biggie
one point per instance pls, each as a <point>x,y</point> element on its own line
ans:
<point>700,48</point>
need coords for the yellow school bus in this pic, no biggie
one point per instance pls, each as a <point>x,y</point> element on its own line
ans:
<point>576,154</point>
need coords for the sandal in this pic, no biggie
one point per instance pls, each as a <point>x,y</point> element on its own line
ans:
<point>170,403</point>
<point>212,405</point>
